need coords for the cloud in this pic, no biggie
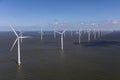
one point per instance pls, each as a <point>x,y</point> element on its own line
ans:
<point>103,25</point>
<point>115,21</point>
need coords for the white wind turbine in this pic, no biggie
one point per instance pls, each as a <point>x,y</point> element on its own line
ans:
<point>19,37</point>
<point>94,33</point>
<point>89,35</point>
<point>99,33</point>
<point>79,34</point>
<point>62,34</point>
<point>54,34</point>
<point>41,34</point>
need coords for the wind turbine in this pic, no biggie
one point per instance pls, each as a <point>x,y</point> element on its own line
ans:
<point>62,34</point>
<point>79,36</point>
<point>94,33</point>
<point>71,32</point>
<point>41,34</point>
<point>99,34</point>
<point>54,34</point>
<point>89,36</point>
<point>19,37</point>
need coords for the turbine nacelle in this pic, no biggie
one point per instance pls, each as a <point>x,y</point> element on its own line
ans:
<point>60,32</point>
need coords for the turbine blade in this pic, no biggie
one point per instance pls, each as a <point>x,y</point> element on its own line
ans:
<point>63,32</point>
<point>13,44</point>
<point>14,30</point>
<point>26,37</point>
<point>58,32</point>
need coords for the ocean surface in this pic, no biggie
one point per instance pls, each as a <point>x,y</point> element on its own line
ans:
<point>97,59</point>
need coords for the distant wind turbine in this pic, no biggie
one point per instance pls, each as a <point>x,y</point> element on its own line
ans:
<point>89,36</point>
<point>54,34</point>
<point>41,34</point>
<point>61,33</point>
<point>99,34</point>
<point>19,37</point>
<point>94,33</point>
<point>79,32</point>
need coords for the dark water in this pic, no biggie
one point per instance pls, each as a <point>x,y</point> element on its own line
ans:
<point>42,60</point>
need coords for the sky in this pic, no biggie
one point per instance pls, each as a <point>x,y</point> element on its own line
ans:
<point>39,12</point>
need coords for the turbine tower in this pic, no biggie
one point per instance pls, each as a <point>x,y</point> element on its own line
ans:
<point>62,34</point>
<point>71,32</point>
<point>54,34</point>
<point>19,37</point>
<point>41,34</point>
<point>94,33</point>
<point>79,32</point>
<point>89,35</point>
